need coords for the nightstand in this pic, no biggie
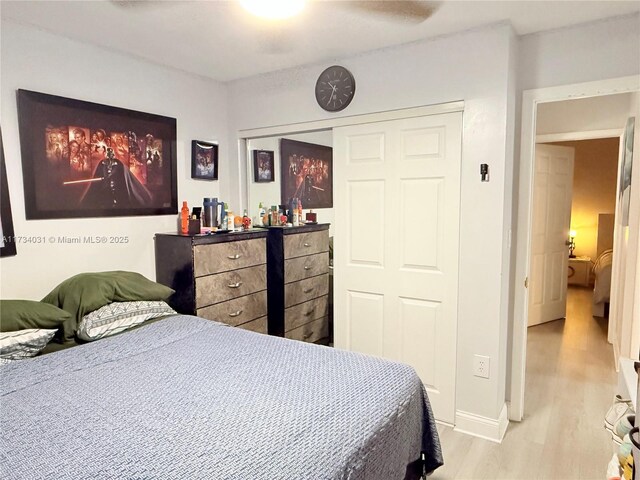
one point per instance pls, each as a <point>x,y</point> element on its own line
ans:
<point>579,271</point>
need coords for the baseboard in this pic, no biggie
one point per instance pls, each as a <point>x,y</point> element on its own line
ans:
<point>483,427</point>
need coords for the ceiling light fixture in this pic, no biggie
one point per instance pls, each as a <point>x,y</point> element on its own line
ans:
<point>273,9</point>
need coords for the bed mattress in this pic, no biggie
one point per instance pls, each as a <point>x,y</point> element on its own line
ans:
<point>190,398</point>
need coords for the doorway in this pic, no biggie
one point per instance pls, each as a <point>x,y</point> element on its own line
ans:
<point>574,205</point>
<point>595,92</point>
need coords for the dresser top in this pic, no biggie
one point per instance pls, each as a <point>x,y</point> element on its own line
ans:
<point>293,230</point>
<point>204,239</point>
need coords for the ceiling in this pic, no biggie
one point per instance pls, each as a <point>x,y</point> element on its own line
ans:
<point>218,39</point>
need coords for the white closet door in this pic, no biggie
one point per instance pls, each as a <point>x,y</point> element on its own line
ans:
<point>397,203</point>
<point>552,192</point>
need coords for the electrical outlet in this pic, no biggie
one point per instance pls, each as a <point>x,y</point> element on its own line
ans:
<point>481,366</point>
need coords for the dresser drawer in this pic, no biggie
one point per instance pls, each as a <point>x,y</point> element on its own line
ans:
<point>305,267</point>
<point>311,332</point>
<point>237,311</point>
<point>225,286</point>
<point>305,312</point>
<point>258,325</point>
<point>298,292</point>
<point>302,244</point>
<point>223,257</point>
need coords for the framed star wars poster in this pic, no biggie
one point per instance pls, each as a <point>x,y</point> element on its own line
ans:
<point>307,173</point>
<point>83,159</point>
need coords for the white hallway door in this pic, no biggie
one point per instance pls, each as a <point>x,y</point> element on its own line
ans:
<point>552,192</point>
<point>397,200</point>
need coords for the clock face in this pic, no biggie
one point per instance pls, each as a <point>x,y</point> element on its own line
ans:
<point>335,88</point>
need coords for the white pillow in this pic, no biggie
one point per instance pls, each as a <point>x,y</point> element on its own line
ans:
<point>23,343</point>
<point>119,316</point>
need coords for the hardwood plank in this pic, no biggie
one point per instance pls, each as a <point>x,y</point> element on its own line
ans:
<point>570,383</point>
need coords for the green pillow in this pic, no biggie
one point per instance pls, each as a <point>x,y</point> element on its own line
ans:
<point>86,292</point>
<point>25,314</point>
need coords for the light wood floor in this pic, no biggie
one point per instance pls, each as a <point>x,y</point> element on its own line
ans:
<point>570,382</point>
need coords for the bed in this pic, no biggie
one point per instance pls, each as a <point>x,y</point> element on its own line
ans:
<point>603,264</point>
<point>185,397</point>
<point>602,285</point>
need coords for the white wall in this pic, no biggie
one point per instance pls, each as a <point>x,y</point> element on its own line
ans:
<point>627,250</point>
<point>472,66</point>
<point>269,192</point>
<point>35,60</point>
<point>609,112</point>
<point>583,53</point>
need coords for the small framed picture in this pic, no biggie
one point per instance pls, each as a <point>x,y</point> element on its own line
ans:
<point>204,160</point>
<point>263,166</point>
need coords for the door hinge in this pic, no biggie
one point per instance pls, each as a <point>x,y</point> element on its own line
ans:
<point>526,282</point>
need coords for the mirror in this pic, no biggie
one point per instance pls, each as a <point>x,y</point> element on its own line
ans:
<point>7,239</point>
<point>269,192</point>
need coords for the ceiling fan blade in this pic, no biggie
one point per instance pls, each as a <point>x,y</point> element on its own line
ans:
<point>141,4</point>
<point>400,10</point>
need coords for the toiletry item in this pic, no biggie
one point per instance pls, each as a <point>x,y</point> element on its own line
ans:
<point>292,210</point>
<point>300,220</point>
<point>261,213</point>
<point>311,217</point>
<point>184,219</point>
<point>274,216</point>
<point>230,220</point>
<point>210,212</point>
<point>194,226</point>
<point>246,221</point>
<point>222,219</point>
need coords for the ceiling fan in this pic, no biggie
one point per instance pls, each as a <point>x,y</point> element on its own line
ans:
<point>415,11</point>
<point>275,36</point>
<point>395,10</point>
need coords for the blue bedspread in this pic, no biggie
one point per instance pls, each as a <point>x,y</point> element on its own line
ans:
<point>187,398</point>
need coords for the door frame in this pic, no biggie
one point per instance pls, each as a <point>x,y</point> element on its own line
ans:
<point>530,101</point>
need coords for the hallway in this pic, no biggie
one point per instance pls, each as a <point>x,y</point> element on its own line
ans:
<point>570,382</point>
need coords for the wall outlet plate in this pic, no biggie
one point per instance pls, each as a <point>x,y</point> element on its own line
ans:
<point>481,366</point>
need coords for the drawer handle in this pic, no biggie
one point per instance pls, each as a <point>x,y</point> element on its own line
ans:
<point>234,257</point>
<point>306,314</point>
<point>234,285</point>
<point>307,336</point>
<point>308,290</point>
<point>239,312</point>
<point>307,267</point>
<point>307,244</point>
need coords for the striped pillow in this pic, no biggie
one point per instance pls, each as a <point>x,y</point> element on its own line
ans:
<point>23,343</point>
<point>119,316</point>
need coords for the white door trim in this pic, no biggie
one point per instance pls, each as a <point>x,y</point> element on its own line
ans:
<point>327,124</point>
<point>302,127</point>
<point>574,136</point>
<point>530,101</point>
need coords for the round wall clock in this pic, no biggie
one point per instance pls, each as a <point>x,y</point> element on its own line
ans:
<point>335,88</point>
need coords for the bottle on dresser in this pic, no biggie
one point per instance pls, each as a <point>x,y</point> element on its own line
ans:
<point>184,219</point>
<point>230,220</point>
<point>261,213</point>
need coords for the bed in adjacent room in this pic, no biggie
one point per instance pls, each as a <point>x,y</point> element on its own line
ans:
<point>185,397</point>
<point>602,266</point>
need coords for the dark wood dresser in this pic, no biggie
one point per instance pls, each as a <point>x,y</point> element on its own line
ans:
<point>298,282</point>
<point>221,277</point>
